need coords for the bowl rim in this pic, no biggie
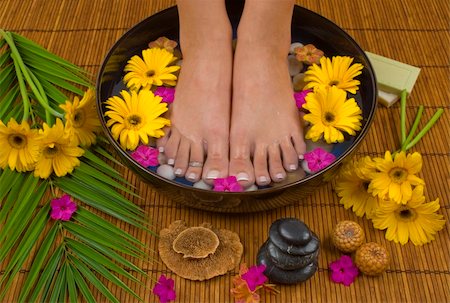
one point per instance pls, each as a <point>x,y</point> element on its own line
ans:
<point>264,191</point>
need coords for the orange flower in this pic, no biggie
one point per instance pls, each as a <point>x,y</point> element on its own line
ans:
<point>308,54</point>
<point>163,42</point>
<point>241,292</point>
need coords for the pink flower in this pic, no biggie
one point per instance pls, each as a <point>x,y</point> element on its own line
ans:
<point>255,276</point>
<point>164,289</point>
<point>227,184</point>
<point>146,155</point>
<point>343,271</point>
<point>62,208</point>
<point>166,93</point>
<point>300,97</point>
<point>318,159</point>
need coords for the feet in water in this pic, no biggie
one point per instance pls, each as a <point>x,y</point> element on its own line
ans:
<point>197,142</point>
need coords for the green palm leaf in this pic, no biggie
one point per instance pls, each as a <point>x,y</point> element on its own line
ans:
<point>82,285</point>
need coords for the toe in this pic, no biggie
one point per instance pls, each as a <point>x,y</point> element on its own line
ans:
<point>216,165</point>
<point>171,147</point>
<point>161,142</point>
<point>241,165</point>
<point>276,170</point>
<point>289,155</point>
<point>182,157</point>
<point>260,166</point>
<point>299,144</point>
<point>195,166</point>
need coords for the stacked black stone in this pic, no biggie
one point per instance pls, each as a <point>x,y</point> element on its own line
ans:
<point>290,253</point>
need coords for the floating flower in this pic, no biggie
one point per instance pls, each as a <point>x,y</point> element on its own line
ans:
<point>166,93</point>
<point>337,72</point>
<point>318,159</point>
<point>165,43</point>
<point>343,271</point>
<point>300,97</point>
<point>136,116</point>
<point>416,221</point>
<point>165,289</point>
<point>308,54</point>
<point>81,118</point>
<point>330,114</point>
<point>20,146</point>
<point>146,156</point>
<point>255,276</point>
<point>62,208</point>
<point>59,152</point>
<point>227,184</point>
<point>352,184</point>
<point>396,176</point>
<point>242,293</point>
<point>153,69</point>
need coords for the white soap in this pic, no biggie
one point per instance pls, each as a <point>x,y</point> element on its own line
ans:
<point>311,145</point>
<point>306,167</point>
<point>166,171</point>
<point>298,82</point>
<point>294,46</point>
<point>253,187</point>
<point>387,99</point>
<point>202,185</point>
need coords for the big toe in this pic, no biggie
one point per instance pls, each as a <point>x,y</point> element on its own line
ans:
<point>241,167</point>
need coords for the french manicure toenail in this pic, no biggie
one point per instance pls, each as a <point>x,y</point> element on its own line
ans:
<point>263,179</point>
<point>191,176</point>
<point>161,149</point>
<point>177,171</point>
<point>292,167</point>
<point>212,174</point>
<point>242,177</point>
<point>279,176</point>
<point>171,161</point>
<point>301,157</point>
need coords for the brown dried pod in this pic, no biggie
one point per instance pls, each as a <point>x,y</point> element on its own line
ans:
<point>372,259</point>
<point>225,257</point>
<point>348,236</point>
<point>196,242</point>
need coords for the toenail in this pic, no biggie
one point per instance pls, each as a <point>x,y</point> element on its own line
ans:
<point>177,171</point>
<point>279,176</point>
<point>212,174</point>
<point>263,179</point>
<point>192,176</point>
<point>292,167</point>
<point>161,149</point>
<point>301,157</point>
<point>242,177</point>
<point>171,161</point>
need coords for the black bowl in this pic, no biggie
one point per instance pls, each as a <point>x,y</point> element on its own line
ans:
<point>307,27</point>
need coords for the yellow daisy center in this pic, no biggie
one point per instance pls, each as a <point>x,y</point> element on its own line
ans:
<point>51,151</point>
<point>79,118</point>
<point>134,120</point>
<point>17,141</point>
<point>333,82</point>
<point>405,214</point>
<point>328,118</point>
<point>150,73</point>
<point>398,174</point>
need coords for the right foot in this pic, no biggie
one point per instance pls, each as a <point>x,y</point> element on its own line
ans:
<point>200,114</point>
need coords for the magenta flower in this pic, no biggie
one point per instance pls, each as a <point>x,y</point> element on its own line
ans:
<point>318,159</point>
<point>166,93</point>
<point>255,276</point>
<point>343,271</point>
<point>146,155</point>
<point>62,208</point>
<point>227,184</point>
<point>165,289</point>
<point>300,97</point>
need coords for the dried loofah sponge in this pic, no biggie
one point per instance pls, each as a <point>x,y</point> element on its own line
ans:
<point>190,252</point>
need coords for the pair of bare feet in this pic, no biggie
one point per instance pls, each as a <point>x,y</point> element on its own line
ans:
<point>234,113</point>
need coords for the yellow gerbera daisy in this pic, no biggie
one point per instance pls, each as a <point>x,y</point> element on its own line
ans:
<point>330,113</point>
<point>81,118</point>
<point>136,116</point>
<point>19,146</point>
<point>59,152</point>
<point>416,221</point>
<point>352,185</point>
<point>337,72</point>
<point>395,177</point>
<point>153,69</point>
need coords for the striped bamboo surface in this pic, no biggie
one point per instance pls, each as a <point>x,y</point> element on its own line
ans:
<point>415,32</point>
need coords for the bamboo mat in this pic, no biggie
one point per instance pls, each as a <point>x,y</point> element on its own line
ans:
<point>415,32</point>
